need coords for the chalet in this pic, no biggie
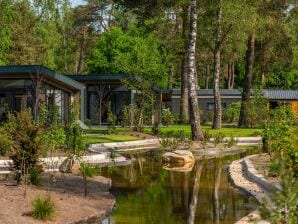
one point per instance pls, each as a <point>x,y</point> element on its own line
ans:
<point>29,86</point>
<point>228,96</point>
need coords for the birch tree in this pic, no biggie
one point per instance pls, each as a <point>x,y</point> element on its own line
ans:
<point>194,112</point>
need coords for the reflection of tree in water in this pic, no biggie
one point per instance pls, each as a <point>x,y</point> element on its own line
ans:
<point>216,211</point>
<point>195,192</point>
<point>148,194</point>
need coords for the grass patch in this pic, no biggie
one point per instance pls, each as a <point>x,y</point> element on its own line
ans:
<point>43,208</point>
<point>227,131</point>
<point>108,138</point>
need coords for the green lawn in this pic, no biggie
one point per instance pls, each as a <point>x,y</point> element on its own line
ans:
<point>227,131</point>
<point>108,138</point>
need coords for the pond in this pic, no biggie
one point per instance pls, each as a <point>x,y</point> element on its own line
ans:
<point>148,194</point>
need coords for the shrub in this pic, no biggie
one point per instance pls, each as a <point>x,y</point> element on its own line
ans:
<point>74,138</point>
<point>207,135</point>
<point>27,143</point>
<point>231,114</point>
<point>88,171</point>
<point>43,208</point>
<point>232,141</point>
<point>167,118</point>
<point>5,141</point>
<point>285,201</point>
<point>258,111</point>
<point>35,176</point>
<point>112,122</point>
<point>175,140</point>
<point>218,138</point>
<point>88,122</point>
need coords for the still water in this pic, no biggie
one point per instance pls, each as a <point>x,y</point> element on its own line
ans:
<point>148,194</point>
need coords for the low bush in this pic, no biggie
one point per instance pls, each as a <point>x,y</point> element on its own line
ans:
<point>167,118</point>
<point>35,176</point>
<point>43,208</point>
<point>232,141</point>
<point>86,170</point>
<point>218,138</point>
<point>231,114</point>
<point>5,141</point>
<point>175,140</point>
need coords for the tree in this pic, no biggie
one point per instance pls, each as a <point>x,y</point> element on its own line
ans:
<point>247,84</point>
<point>87,171</point>
<point>216,70</point>
<point>194,112</point>
<point>6,17</point>
<point>184,104</point>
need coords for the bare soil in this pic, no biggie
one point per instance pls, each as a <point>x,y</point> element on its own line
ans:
<point>261,164</point>
<point>67,192</point>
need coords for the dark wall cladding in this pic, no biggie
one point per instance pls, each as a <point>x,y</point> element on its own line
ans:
<point>205,105</point>
<point>14,83</point>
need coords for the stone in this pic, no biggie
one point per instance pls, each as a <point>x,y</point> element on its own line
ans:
<point>70,165</point>
<point>178,157</point>
<point>187,167</point>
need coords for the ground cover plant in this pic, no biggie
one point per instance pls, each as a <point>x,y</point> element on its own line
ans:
<point>43,208</point>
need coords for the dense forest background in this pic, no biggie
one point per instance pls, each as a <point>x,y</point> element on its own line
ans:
<point>149,38</point>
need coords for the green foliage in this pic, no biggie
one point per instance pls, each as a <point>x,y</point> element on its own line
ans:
<point>231,114</point>
<point>285,201</point>
<point>5,141</point>
<point>133,52</point>
<point>258,111</point>
<point>277,137</point>
<point>175,140</point>
<point>6,18</point>
<point>232,141</point>
<point>167,118</point>
<point>74,138</point>
<point>88,122</point>
<point>218,138</point>
<point>43,208</point>
<point>127,116</point>
<point>112,122</point>
<point>86,170</point>
<point>27,143</point>
<point>207,136</point>
<point>35,176</point>
<point>140,111</point>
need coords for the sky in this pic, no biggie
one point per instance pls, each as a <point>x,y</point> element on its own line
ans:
<point>76,2</point>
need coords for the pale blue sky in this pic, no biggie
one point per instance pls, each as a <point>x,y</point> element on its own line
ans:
<point>76,2</point>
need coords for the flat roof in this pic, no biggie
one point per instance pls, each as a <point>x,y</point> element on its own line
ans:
<point>40,69</point>
<point>102,77</point>
<point>271,94</point>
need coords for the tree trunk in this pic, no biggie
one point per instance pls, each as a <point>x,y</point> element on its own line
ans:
<point>229,76</point>
<point>194,112</point>
<point>207,77</point>
<point>216,90</point>
<point>170,80</point>
<point>184,107</point>
<point>232,75</point>
<point>85,186</point>
<point>243,120</point>
<point>81,57</point>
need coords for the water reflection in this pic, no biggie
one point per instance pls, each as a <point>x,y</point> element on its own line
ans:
<point>148,194</point>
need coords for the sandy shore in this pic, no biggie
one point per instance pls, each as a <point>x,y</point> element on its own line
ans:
<point>67,192</point>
